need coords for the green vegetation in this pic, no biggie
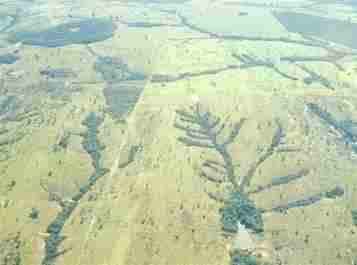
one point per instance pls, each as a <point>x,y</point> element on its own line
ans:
<point>244,260</point>
<point>354,217</point>
<point>90,142</point>
<point>239,258</point>
<point>92,146</point>
<point>82,32</point>
<point>34,213</point>
<point>240,209</point>
<point>10,250</point>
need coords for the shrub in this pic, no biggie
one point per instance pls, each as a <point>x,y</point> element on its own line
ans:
<point>240,209</point>
<point>34,213</point>
<point>241,259</point>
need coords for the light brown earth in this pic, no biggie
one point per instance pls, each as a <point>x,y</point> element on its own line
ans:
<point>156,211</point>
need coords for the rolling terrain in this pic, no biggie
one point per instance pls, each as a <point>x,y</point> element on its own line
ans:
<point>178,132</point>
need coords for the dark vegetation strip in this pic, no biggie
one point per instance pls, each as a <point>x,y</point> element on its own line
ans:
<point>169,78</point>
<point>58,73</point>
<point>240,258</point>
<point>143,24</point>
<point>354,217</point>
<point>14,20</point>
<point>345,128</point>
<point>247,64</point>
<point>334,30</point>
<point>262,5</point>
<point>281,180</point>
<point>123,86</point>
<point>93,148</point>
<point>7,104</point>
<point>82,32</point>
<point>8,58</point>
<point>114,69</point>
<point>273,148</point>
<point>212,35</point>
<point>307,41</point>
<point>332,59</point>
<point>240,209</point>
<point>315,77</point>
<point>206,136</point>
<point>331,194</point>
<point>122,98</point>
<point>202,129</point>
<point>249,61</point>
